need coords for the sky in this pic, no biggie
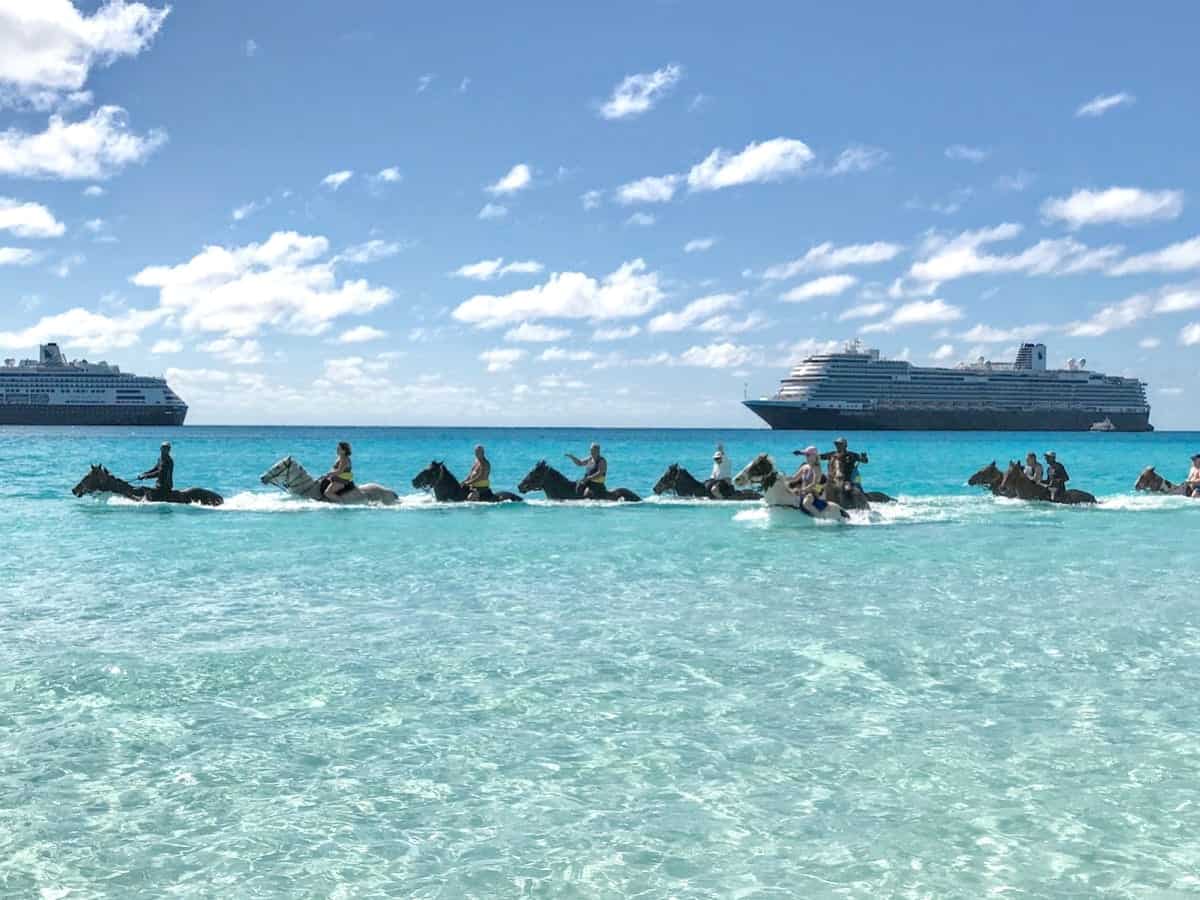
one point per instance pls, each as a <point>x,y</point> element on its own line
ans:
<point>620,214</point>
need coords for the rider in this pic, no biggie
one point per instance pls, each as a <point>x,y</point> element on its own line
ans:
<point>595,473</point>
<point>479,480</point>
<point>340,478</point>
<point>809,482</point>
<point>1033,468</point>
<point>1056,475</point>
<point>721,480</point>
<point>1191,486</point>
<point>163,472</point>
<point>843,465</point>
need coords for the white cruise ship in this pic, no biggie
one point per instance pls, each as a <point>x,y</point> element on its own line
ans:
<point>52,391</point>
<point>856,389</point>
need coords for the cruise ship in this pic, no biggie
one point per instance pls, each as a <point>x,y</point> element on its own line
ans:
<point>856,389</point>
<point>52,391</point>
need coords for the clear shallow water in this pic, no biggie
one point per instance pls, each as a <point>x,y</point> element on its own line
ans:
<point>960,697</point>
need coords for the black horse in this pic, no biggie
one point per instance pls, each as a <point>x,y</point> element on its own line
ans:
<point>682,483</point>
<point>557,486</point>
<point>448,489</point>
<point>101,481</point>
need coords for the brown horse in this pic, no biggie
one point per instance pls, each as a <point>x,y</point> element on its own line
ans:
<point>989,477</point>
<point>1016,484</point>
<point>1151,481</point>
<point>99,480</point>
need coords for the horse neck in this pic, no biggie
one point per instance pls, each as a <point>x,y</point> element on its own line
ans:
<point>447,486</point>
<point>554,480</point>
<point>297,480</point>
<point>114,485</point>
<point>686,483</point>
<point>777,494</point>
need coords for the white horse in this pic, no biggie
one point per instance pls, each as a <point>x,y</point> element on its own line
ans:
<point>762,472</point>
<point>292,477</point>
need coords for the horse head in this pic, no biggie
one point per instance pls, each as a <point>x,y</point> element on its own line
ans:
<point>667,482</point>
<point>759,469</point>
<point>535,479</point>
<point>1149,480</point>
<point>1013,473</point>
<point>987,476</point>
<point>89,482</point>
<point>280,468</point>
<point>430,475</point>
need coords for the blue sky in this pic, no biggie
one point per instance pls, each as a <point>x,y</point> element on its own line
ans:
<point>620,215</point>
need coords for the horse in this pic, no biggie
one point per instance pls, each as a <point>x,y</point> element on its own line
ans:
<point>448,489</point>
<point>762,471</point>
<point>1151,481</point>
<point>1016,484</point>
<point>682,483</point>
<point>557,486</point>
<point>289,475</point>
<point>989,477</point>
<point>99,480</point>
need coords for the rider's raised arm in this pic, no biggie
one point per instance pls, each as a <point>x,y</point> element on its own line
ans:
<point>575,459</point>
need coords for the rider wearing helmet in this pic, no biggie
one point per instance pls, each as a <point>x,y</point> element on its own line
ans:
<point>163,473</point>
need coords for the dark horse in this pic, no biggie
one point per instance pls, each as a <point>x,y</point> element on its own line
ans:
<point>448,489</point>
<point>1019,485</point>
<point>557,486</point>
<point>989,477</point>
<point>682,483</point>
<point>1151,481</point>
<point>99,480</point>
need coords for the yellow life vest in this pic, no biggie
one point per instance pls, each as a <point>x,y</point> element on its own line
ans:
<point>348,475</point>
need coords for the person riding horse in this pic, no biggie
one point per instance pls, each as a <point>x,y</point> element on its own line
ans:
<point>1056,475</point>
<point>595,474</point>
<point>843,465</point>
<point>1191,484</point>
<point>479,480</point>
<point>1033,468</point>
<point>720,483</point>
<point>340,478</point>
<point>163,472</point>
<point>809,481</point>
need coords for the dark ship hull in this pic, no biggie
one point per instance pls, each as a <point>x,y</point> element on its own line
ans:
<point>111,414</point>
<point>788,416</point>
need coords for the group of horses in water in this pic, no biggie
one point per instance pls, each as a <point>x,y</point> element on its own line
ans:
<point>760,480</point>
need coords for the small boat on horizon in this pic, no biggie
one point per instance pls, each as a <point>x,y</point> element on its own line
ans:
<point>1105,424</point>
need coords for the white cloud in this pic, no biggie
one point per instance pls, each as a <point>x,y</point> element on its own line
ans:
<point>640,219</point>
<point>949,258</point>
<point>518,178</point>
<point>1101,104</point>
<point>637,94</point>
<point>17,256</point>
<point>1016,182</point>
<point>536,334</point>
<point>490,269</point>
<point>96,147</point>
<point>68,264</point>
<point>167,345</point>
<point>858,158</point>
<point>825,286</point>
<point>1122,205</point>
<point>986,334</point>
<point>1190,335</point>
<point>918,312</point>
<point>335,180</point>
<point>616,334</point>
<point>28,219</point>
<point>250,47</point>
<point>692,314</point>
<point>281,283</point>
<point>967,154</point>
<point>354,371</point>
<point>826,257</point>
<point>558,354</point>
<point>591,199</point>
<point>699,245</point>
<point>724,355</point>
<point>48,47</point>
<point>390,175</point>
<point>246,210</point>
<point>369,251</point>
<point>464,84</point>
<point>492,211</point>
<point>93,190</point>
<point>942,353</point>
<point>652,189</point>
<point>627,292</point>
<point>501,359</point>
<point>80,328</point>
<point>726,324</point>
<point>770,160</point>
<point>865,311</point>
<point>239,353</point>
<point>1177,299</point>
<point>1179,257</point>
<point>425,81</point>
<point>1149,343</point>
<point>361,334</point>
<point>1113,317</point>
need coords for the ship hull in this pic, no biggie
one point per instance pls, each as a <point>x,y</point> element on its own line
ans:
<point>785,416</point>
<point>15,414</point>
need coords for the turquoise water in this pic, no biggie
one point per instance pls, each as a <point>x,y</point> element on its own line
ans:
<point>956,697</point>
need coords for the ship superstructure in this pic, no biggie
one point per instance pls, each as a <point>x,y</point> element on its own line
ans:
<point>54,391</point>
<point>858,389</point>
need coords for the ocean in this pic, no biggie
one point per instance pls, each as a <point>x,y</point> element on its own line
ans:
<point>955,696</point>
